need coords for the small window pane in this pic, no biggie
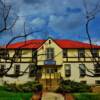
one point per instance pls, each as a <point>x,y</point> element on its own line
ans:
<point>3,53</point>
<point>18,53</point>
<point>81,53</point>
<point>17,70</point>
<point>82,70</point>
<point>2,69</point>
<point>32,70</point>
<point>65,53</point>
<point>95,53</point>
<point>67,70</point>
<point>50,53</point>
<point>97,69</point>
<point>51,70</point>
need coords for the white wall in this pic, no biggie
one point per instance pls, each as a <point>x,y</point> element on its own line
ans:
<point>18,80</point>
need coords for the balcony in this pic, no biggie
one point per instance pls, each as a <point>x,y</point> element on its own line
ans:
<point>55,75</point>
<point>50,62</point>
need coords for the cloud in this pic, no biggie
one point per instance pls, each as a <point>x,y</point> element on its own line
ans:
<point>94,41</point>
<point>19,26</point>
<point>64,16</point>
<point>63,24</point>
<point>38,23</point>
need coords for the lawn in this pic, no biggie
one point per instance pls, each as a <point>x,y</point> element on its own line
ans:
<point>87,96</point>
<point>5,95</point>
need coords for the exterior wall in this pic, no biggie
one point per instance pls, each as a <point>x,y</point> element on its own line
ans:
<point>26,53</point>
<point>11,53</point>
<point>17,80</point>
<point>75,74</point>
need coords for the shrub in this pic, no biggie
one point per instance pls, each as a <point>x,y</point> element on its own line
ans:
<point>71,86</point>
<point>27,87</point>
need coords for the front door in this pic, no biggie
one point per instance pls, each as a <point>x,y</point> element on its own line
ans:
<point>51,78</point>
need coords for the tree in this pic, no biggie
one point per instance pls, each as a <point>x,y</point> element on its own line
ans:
<point>5,14</point>
<point>90,16</point>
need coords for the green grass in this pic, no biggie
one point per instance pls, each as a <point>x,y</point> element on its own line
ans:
<point>5,95</point>
<point>87,96</point>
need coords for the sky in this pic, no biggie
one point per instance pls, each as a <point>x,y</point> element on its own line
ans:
<point>58,19</point>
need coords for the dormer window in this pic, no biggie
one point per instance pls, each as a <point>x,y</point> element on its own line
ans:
<point>50,53</point>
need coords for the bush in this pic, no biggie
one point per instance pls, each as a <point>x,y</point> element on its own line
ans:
<point>71,86</point>
<point>27,87</point>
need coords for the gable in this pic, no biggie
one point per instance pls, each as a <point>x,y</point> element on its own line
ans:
<point>49,43</point>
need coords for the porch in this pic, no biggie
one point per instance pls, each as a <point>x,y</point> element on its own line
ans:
<point>50,81</point>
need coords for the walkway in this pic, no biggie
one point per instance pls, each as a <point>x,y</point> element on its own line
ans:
<point>52,96</point>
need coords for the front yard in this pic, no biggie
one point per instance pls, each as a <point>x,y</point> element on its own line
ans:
<point>86,96</point>
<point>5,95</point>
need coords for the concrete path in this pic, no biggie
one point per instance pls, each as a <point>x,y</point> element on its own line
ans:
<point>52,96</point>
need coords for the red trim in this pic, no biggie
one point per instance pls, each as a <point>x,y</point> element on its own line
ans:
<point>34,44</point>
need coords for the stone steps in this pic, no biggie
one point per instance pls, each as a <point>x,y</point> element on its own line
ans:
<point>49,84</point>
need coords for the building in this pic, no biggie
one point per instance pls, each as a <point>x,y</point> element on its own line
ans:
<point>55,59</point>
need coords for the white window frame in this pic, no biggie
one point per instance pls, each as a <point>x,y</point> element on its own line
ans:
<point>50,53</point>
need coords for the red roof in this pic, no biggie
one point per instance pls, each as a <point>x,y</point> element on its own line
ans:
<point>61,43</point>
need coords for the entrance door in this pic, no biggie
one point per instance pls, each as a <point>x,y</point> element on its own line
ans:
<point>51,80</point>
<point>51,70</point>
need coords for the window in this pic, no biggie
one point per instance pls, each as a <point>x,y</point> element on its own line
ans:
<point>34,55</point>
<point>2,68</point>
<point>95,53</point>
<point>65,53</point>
<point>82,70</point>
<point>81,53</point>
<point>50,53</point>
<point>97,82</point>
<point>67,70</point>
<point>17,70</point>
<point>32,70</point>
<point>18,53</point>
<point>51,70</point>
<point>97,69</point>
<point>3,53</point>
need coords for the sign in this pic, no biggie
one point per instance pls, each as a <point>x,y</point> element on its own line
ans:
<point>50,62</point>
